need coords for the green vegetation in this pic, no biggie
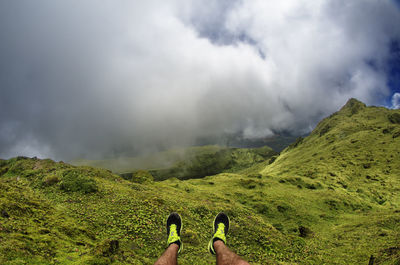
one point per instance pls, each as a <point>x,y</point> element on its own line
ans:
<point>74,180</point>
<point>329,198</point>
<point>345,174</point>
<point>122,221</point>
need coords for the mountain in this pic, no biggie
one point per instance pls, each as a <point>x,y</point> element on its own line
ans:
<point>344,179</point>
<point>186,163</point>
<point>279,141</point>
<point>329,198</point>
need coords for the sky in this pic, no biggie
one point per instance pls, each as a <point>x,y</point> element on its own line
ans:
<point>92,79</point>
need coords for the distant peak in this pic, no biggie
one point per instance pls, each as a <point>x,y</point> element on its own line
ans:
<point>353,106</point>
<point>354,102</point>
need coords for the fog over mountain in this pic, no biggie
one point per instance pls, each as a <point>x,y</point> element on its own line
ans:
<point>101,78</point>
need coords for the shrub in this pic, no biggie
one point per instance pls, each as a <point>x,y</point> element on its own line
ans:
<point>248,183</point>
<point>311,186</point>
<point>3,162</point>
<point>74,181</point>
<point>262,208</point>
<point>394,118</point>
<point>3,170</point>
<point>106,248</point>
<point>278,226</point>
<point>255,175</point>
<point>51,180</point>
<point>272,159</point>
<point>191,237</point>
<point>98,261</point>
<point>282,208</point>
<point>202,211</point>
<point>396,134</point>
<point>142,176</point>
<point>17,167</point>
<point>325,129</point>
<point>305,231</point>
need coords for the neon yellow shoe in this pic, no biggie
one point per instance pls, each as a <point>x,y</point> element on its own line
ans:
<point>174,228</point>
<point>221,228</point>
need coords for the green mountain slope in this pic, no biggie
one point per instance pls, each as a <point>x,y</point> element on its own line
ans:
<point>345,177</point>
<point>330,198</point>
<point>58,213</point>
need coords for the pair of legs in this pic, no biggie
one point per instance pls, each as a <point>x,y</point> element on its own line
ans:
<point>216,245</point>
<point>224,255</point>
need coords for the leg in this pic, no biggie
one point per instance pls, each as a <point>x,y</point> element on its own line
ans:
<point>225,256</point>
<point>169,257</point>
<point>174,242</point>
<point>217,246</point>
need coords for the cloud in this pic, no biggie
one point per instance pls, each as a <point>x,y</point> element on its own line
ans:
<point>107,78</point>
<point>396,101</point>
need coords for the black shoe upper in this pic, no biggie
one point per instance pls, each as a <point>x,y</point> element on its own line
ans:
<point>221,218</point>
<point>174,218</point>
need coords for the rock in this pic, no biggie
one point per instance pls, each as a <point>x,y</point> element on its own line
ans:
<point>305,231</point>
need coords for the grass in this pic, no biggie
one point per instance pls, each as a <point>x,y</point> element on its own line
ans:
<point>352,159</point>
<point>118,210</point>
<point>330,198</point>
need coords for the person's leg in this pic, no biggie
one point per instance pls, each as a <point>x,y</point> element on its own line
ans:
<point>225,256</point>
<point>174,242</point>
<point>169,257</point>
<point>217,246</point>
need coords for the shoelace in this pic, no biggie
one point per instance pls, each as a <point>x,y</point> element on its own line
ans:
<point>172,231</point>
<point>221,229</point>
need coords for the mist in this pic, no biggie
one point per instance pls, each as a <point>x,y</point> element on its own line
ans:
<point>107,78</point>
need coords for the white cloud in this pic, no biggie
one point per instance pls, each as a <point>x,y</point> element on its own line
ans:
<point>89,77</point>
<point>255,133</point>
<point>396,101</point>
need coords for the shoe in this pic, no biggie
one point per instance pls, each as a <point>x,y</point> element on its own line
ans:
<point>174,228</point>
<point>221,228</point>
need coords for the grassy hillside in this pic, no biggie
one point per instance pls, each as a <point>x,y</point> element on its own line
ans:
<point>344,178</point>
<point>58,213</point>
<point>330,198</point>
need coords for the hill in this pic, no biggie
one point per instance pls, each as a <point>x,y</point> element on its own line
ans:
<point>330,198</point>
<point>58,213</point>
<point>343,180</point>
